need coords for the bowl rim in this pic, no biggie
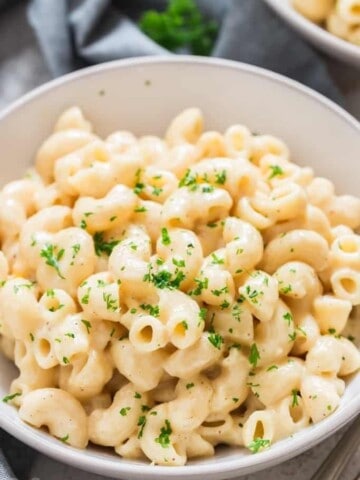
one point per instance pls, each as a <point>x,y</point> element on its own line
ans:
<point>311,29</point>
<point>245,464</point>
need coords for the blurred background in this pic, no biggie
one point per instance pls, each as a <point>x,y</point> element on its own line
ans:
<point>22,66</point>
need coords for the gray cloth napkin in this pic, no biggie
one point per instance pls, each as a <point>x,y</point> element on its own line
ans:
<point>76,33</point>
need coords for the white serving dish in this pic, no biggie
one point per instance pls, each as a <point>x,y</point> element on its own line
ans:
<point>321,38</point>
<point>142,95</point>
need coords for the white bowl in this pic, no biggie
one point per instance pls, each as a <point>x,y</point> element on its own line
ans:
<point>321,38</point>
<point>142,95</point>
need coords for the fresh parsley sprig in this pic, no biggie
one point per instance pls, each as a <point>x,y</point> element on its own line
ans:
<point>180,25</point>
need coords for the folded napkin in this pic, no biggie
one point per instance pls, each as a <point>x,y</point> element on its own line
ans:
<point>77,33</point>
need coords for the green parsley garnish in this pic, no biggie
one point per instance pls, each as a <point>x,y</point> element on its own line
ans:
<point>111,302</point>
<point>140,209</point>
<point>258,444</point>
<point>285,290</point>
<point>220,178</point>
<point>216,340</point>
<point>165,238</point>
<point>11,397</point>
<point>180,25</point>
<point>203,313</point>
<point>141,423</point>
<point>164,279</point>
<point>64,439</point>
<point>188,180</point>
<point>288,317</point>
<point>153,310</point>
<point>295,398</point>
<point>164,438</point>
<point>189,385</point>
<point>123,412</point>
<point>102,246</point>
<point>254,355</point>
<point>178,263</point>
<point>216,260</point>
<point>201,285</point>
<point>87,325</point>
<point>52,258</point>
<point>275,170</point>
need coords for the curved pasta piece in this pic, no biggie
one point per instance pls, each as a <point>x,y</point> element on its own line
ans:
<point>59,411</point>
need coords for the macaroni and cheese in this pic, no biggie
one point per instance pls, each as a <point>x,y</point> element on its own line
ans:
<point>340,17</point>
<point>164,296</point>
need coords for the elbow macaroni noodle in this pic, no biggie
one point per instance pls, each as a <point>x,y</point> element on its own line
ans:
<point>340,17</point>
<point>164,296</point>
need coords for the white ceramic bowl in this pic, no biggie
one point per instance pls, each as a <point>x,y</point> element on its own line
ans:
<point>142,95</point>
<point>321,38</point>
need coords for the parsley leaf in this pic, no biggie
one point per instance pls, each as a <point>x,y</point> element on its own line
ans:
<point>52,258</point>
<point>164,438</point>
<point>254,355</point>
<point>258,444</point>
<point>102,246</point>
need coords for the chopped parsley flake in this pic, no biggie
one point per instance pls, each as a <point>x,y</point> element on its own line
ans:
<point>216,260</point>
<point>164,279</point>
<point>87,325</point>
<point>189,385</point>
<point>165,238</point>
<point>201,285</point>
<point>218,292</point>
<point>295,398</point>
<point>111,302</point>
<point>285,290</point>
<point>225,304</point>
<point>272,367</point>
<point>185,325</point>
<point>85,298</point>
<point>275,170</point>
<point>254,355</point>
<point>216,340</point>
<point>64,439</point>
<point>178,263</point>
<point>164,438</point>
<point>8,398</point>
<point>203,313</point>
<point>102,246</point>
<point>288,317</point>
<point>258,444</point>
<point>220,177</point>
<point>153,310</point>
<point>140,209</point>
<point>188,180</point>
<point>123,412</point>
<point>292,336</point>
<point>141,423</point>
<point>52,258</point>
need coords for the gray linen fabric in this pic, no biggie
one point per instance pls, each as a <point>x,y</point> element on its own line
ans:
<point>77,33</point>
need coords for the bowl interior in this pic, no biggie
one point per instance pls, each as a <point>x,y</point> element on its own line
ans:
<point>142,96</point>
